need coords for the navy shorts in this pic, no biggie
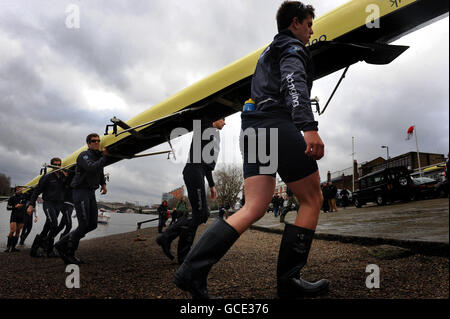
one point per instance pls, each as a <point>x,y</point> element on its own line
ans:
<point>17,216</point>
<point>284,144</point>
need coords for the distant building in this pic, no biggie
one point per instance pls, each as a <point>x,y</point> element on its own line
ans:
<point>177,193</point>
<point>344,178</point>
<point>166,196</point>
<point>408,160</point>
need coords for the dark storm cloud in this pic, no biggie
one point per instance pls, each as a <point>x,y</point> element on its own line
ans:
<point>24,94</point>
<point>31,108</point>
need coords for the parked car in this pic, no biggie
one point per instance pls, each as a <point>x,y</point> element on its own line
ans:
<point>339,200</point>
<point>424,187</point>
<point>386,185</point>
<point>441,188</point>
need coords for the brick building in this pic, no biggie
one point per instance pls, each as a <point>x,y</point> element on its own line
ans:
<point>343,179</point>
<point>408,160</point>
<point>177,193</point>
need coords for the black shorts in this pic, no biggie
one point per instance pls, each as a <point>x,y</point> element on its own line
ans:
<point>17,217</point>
<point>284,147</point>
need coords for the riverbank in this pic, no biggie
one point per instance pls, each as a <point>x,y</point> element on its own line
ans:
<point>117,223</point>
<point>119,267</point>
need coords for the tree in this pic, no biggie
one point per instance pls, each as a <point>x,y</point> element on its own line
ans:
<point>212,203</point>
<point>5,185</point>
<point>229,183</point>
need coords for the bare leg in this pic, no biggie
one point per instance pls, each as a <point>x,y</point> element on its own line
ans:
<point>334,205</point>
<point>307,190</point>
<point>12,228</point>
<point>258,194</point>
<point>9,244</point>
<point>18,229</point>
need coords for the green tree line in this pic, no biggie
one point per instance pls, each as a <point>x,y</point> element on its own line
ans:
<point>5,185</point>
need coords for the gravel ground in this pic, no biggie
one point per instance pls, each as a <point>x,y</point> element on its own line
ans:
<point>119,267</point>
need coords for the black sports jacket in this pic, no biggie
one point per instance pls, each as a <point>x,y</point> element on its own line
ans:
<point>283,79</point>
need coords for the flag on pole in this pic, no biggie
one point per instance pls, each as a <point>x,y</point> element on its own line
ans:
<point>410,132</point>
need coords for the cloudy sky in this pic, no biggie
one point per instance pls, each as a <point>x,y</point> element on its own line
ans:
<point>60,81</point>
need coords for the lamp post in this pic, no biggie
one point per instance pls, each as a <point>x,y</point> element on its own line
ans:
<point>387,151</point>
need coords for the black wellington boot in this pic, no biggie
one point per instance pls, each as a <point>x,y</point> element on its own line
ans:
<point>34,251</point>
<point>294,250</point>
<point>166,238</point>
<point>8,244</point>
<point>43,243</point>
<point>50,252</point>
<point>164,241</point>
<point>61,248</point>
<point>72,253</point>
<point>66,249</point>
<point>209,249</point>
<point>282,216</point>
<point>14,241</point>
<point>185,242</point>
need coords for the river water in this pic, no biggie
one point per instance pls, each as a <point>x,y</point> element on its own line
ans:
<point>118,223</point>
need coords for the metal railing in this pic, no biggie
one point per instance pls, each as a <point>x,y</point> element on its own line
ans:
<point>146,221</point>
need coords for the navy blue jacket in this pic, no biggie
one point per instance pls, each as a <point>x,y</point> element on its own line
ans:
<point>89,171</point>
<point>52,188</point>
<point>283,79</point>
<point>17,199</point>
<point>68,198</point>
<point>213,144</point>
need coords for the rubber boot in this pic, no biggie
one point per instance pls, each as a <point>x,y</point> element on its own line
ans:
<point>8,244</point>
<point>34,251</point>
<point>72,252</point>
<point>66,250</point>
<point>294,250</point>
<point>14,241</point>
<point>61,248</point>
<point>282,216</point>
<point>209,249</point>
<point>165,239</point>
<point>43,242</point>
<point>50,252</point>
<point>185,242</point>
